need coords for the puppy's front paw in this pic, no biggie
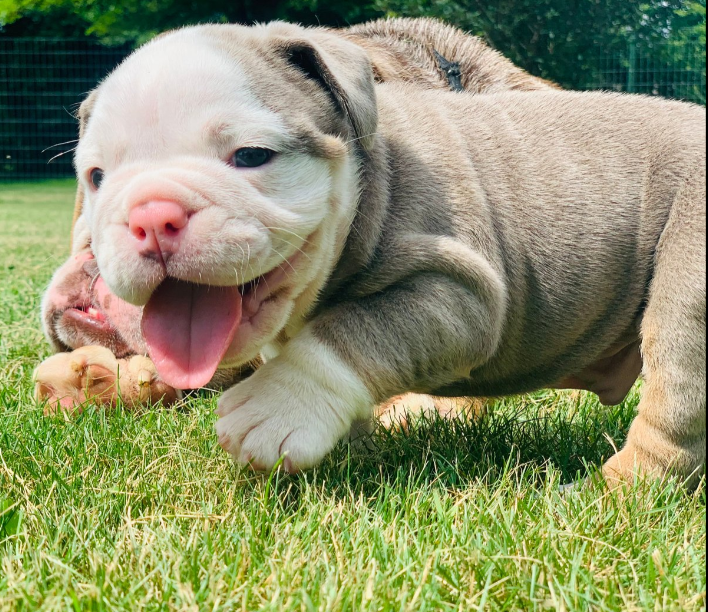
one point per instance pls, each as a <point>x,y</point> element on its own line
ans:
<point>299,405</point>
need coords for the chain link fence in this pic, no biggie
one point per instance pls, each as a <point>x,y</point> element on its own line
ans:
<point>42,82</point>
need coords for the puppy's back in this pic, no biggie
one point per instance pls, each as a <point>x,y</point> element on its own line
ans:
<point>403,49</point>
<point>551,133</point>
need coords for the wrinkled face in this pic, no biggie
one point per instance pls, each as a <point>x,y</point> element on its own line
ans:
<point>219,187</point>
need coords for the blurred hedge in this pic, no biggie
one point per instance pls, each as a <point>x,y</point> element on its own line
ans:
<point>556,39</point>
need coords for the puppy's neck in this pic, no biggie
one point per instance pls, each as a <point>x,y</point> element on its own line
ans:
<point>348,238</point>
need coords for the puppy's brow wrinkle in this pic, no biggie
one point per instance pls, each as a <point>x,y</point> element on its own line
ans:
<point>218,134</point>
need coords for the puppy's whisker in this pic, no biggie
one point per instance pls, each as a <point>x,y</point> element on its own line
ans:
<point>243,256</point>
<point>94,280</point>
<point>60,154</point>
<point>285,261</point>
<point>257,284</point>
<point>361,137</point>
<point>282,229</point>
<point>246,261</point>
<point>59,144</point>
<point>285,272</point>
<point>363,215</point>
<point>75,113</point>
<point>297,248</point>
<point>251,273</point>
<point>250,265</point>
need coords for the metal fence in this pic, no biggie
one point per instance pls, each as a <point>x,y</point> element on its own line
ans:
<point>42,82</point>
<point>668,70</point>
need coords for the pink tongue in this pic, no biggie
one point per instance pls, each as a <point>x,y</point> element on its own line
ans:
<point>188,329</point>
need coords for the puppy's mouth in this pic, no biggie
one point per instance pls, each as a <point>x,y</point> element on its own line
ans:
<point>81,319</point>
<point>189,327</point>
<point>83,324</point>
<point>90,318</point>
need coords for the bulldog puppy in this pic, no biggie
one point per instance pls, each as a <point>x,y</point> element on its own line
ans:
<point>257,193</point>
<point>80,311</point>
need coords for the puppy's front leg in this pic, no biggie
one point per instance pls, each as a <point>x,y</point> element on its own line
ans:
<point>302,401</point>
<point>350,358</point>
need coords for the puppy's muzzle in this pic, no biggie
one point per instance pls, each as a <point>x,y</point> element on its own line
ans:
<point>157,228</point>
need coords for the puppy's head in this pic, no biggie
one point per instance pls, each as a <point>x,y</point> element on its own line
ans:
<point>219,171</point>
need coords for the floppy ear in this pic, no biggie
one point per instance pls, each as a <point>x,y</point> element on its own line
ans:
<point>343,70</point>
<point>83,117</point>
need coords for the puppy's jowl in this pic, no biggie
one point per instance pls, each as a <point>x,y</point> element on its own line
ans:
<point>257,193</point>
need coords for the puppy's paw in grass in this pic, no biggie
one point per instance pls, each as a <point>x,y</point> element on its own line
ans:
<point>298,405</point>
<point>66,381</point>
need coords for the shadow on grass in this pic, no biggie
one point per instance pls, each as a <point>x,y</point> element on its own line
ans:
<point>572,434</point>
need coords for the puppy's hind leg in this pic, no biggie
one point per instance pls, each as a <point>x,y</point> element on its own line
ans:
<point>669,434</point>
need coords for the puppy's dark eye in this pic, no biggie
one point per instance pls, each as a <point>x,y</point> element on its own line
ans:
<point>96,177</point>
<point>251,157</point>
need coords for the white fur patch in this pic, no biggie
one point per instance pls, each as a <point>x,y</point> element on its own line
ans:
<point>299,404</point>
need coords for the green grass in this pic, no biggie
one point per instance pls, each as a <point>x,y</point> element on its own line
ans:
<point>143,511</point>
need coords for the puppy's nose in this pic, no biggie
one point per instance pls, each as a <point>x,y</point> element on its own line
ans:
<point>157,227</point>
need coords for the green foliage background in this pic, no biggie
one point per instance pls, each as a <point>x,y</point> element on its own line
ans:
<point>555,39</point>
